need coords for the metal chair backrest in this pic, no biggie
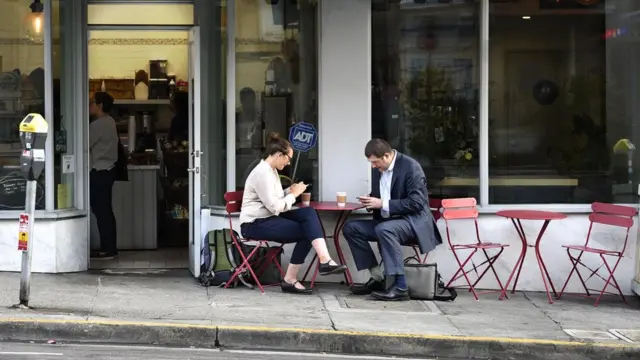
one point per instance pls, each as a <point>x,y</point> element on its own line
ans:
<point>233,200</point>
<point>435,205</point>
<point>460,209</point>
<point>611,215</point>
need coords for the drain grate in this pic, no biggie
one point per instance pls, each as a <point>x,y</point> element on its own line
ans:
<point>590,334</point>
<point>628,335</point>
<point>363,303</point>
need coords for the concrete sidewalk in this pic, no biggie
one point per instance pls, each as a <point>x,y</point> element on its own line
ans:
<point>169,308</point>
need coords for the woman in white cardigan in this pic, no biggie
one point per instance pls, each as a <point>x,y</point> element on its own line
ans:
<point>267,214</point>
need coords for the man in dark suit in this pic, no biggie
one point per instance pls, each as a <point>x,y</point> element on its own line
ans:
<point>401,216</point>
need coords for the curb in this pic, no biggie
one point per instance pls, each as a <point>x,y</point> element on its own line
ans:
<point>307,340</point>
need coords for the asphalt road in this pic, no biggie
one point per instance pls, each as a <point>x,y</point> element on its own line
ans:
<point>18,351</point>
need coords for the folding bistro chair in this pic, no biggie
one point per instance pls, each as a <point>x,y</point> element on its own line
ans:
<point>435,205</point>
<point>605,214</point>
<point>465,208</point>
<point>233,201</point>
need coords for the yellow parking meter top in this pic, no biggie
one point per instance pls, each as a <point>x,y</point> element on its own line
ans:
<point>34,123</point>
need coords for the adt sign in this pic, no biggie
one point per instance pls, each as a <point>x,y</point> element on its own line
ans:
<point>303,136</point>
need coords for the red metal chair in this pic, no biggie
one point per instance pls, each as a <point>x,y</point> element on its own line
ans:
<point>465,208</point>
<point>233,201</point>
<point>435,205</point>
<point>610,215</point>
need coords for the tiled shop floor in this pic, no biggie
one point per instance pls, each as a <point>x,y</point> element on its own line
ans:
<point>170,258</point>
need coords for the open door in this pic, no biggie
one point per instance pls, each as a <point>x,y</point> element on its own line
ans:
<point>195,160</point>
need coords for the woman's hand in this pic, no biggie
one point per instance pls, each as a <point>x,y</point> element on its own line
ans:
<point>298,188</point>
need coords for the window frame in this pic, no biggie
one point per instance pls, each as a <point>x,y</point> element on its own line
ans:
<point>483,132</point>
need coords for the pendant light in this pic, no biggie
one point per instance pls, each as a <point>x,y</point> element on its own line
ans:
<point>34,21</point>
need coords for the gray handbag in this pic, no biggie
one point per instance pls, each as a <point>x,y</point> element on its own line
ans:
<point>425,283</point>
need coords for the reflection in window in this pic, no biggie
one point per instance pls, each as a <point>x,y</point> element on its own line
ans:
<point>425,89</point>
<point>276,80</point>
<point>21,92</point>
<point>562,94</point>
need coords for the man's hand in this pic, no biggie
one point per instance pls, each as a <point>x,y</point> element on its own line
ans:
<point>371,202</point>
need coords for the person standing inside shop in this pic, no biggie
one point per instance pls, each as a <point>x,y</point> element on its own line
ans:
<point>103,147</point>
<point>179,130</point>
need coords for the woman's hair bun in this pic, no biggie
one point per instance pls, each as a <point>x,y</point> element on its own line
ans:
<point>274,137</point>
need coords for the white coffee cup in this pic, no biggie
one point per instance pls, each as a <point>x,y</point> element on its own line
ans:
<point>341,198</point>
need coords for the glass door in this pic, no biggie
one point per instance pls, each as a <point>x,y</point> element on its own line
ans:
<point>195,160</point>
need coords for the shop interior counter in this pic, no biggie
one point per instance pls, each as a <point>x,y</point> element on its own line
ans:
<point>135,204</point>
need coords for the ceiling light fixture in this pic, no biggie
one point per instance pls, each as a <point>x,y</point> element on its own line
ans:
<point>526,17</point>
<point>34,21</point>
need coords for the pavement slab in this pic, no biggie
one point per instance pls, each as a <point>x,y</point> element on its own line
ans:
<point>178,307</point>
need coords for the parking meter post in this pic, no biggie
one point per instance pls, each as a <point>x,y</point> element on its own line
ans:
<point>25,274</point>
<point>33,135</point>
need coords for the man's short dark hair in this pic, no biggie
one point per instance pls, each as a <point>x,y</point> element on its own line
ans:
<point>104,99</point>
<point>377,148</point>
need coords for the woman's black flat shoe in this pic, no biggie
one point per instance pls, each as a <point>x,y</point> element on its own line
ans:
<point>328,269</point>
<point>292,289</point>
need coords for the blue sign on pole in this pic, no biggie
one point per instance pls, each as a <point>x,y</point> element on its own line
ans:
<point>303,136</point>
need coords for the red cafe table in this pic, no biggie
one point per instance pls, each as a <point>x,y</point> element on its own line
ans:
<point>343,215</point>
<point>516,216</point>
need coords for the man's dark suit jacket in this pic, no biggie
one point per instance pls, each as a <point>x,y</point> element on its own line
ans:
<point>410,200</point>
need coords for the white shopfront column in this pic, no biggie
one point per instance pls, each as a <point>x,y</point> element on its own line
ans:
<point>344,99</point>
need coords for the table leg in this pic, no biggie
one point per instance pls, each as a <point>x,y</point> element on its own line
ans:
<point>306,273</point>
<point>518,265</point>
<point>525,248</point>
<point>315,256</point>
<point>342,219</point>
<point>543,268</point>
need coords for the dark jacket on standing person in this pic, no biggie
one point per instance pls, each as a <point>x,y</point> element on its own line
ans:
<point>410,200</point>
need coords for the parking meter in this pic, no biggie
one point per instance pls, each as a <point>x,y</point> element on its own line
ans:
<point>33,135</point>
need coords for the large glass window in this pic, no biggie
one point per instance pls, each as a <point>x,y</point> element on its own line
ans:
<point>63,104</point>
<point>276,81</point>
<point>425,79</point>
<point>210,17</point>
<point>22,91</point>
<point>563,101</point>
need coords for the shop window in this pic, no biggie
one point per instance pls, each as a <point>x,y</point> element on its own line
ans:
<point>22,91</point>
<point>276,81</point>
<point>63,105</point>
<point>140,14</point>
<point>563,109</point>
<point>425,79</point>
<point>211,20</point>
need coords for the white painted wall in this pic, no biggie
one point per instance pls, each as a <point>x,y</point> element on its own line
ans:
<point>572,230</point>
<point>344,101</point>
<point>59,245</point>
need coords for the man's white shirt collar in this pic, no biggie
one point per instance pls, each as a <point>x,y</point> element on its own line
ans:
<point>393,162</point>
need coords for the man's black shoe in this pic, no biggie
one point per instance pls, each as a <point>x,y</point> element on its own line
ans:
<point>393,294</point>
<point>369,287</point>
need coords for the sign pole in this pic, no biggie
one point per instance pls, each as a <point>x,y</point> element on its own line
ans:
<point>295,168</point>
<point>25,275</point>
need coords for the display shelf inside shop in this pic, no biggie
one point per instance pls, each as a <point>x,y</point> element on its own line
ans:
<point>174,226</point>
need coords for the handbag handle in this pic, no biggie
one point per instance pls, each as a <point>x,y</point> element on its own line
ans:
<point>408,260</point>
